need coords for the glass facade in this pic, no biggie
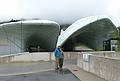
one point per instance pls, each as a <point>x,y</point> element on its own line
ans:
<point>10,42</point>
<point>20,37</point>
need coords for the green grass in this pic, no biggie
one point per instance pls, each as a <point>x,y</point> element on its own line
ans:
<point>118,47</point>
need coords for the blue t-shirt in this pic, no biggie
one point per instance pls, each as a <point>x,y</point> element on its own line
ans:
<point>57,52</point>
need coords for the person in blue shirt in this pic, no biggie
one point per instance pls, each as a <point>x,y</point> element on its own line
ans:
<point>58,56</point>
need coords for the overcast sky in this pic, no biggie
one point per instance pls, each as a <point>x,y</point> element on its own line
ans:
<point>61,11</point>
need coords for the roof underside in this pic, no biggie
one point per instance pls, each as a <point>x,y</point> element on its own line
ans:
<point>28,35</point>
<point>92,34</point>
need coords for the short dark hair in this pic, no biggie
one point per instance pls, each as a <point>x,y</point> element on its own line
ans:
<point>58,46</point>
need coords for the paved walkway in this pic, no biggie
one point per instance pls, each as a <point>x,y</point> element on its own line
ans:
<point>84,75</point>
<point>50,75</point>
<point>42,69</point>
<point>25,68</point>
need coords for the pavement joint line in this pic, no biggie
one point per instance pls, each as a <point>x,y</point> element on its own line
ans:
<point>23,73</point>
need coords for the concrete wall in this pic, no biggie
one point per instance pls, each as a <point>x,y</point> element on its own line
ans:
<point>28,57</point>
<point>41,56</point>
<point>102,66</point>
<point>38,56</point>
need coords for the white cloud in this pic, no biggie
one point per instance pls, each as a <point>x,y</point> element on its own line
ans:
<point>62,11</point>
<point>9,9</point>
<point>114,7</point>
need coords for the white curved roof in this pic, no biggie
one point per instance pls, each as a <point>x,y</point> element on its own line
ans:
<point>43,32</point>
<point>31,22</point>
<point>78,25</point>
